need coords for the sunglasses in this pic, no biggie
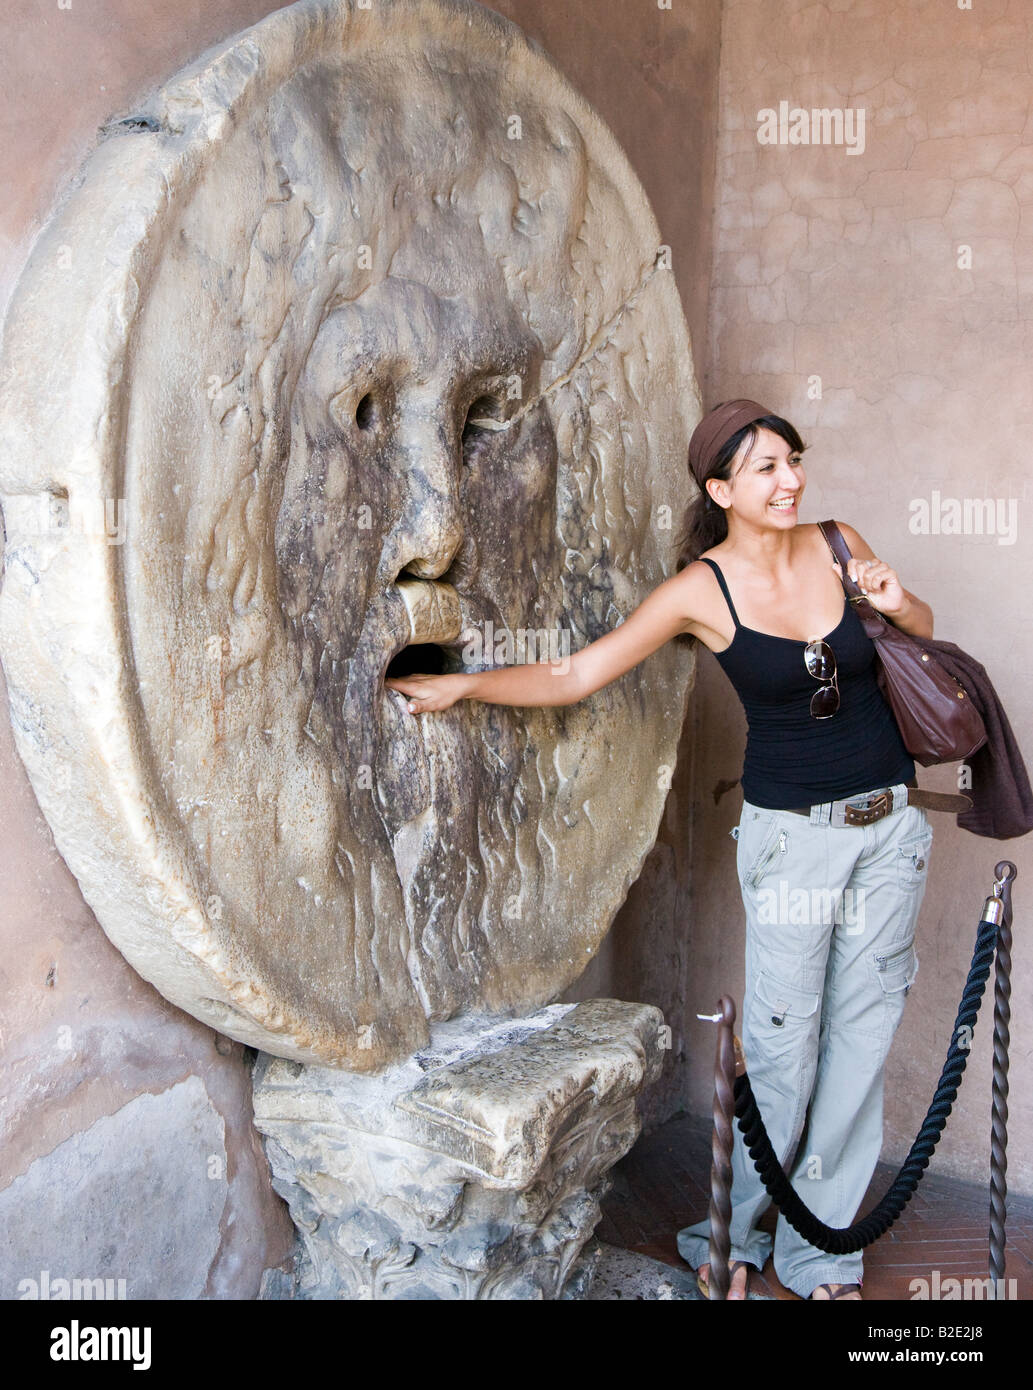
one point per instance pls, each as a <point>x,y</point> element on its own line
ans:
<point>820,661</point>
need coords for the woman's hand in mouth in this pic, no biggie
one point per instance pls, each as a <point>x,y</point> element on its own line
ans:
<point>427,693</point>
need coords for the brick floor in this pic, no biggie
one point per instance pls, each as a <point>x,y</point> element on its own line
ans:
<point>664,1184</point>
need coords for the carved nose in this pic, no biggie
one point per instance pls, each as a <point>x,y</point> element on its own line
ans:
<point>430,530</point>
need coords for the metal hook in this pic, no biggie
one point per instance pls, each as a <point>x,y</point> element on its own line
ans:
<point>1003,873</point>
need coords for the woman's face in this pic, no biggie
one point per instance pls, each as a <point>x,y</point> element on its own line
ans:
<point>766,484</point>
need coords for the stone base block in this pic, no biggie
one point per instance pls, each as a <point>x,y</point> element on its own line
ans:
<point>472,1170</point>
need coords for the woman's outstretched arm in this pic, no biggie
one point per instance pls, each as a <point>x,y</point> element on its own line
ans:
<point>658,618</point>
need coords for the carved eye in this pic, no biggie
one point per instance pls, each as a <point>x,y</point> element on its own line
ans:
<point>368,413</point>
<point>483,420</point>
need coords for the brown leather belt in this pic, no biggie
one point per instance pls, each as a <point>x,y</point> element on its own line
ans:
<point>881,804</point>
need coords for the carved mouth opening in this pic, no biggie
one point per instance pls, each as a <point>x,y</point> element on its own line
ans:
<point>421,659</point>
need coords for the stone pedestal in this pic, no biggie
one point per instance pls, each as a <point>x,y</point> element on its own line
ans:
<point>472,1170</point>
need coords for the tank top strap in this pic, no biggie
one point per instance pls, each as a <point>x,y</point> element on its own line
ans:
<point>724,588</point>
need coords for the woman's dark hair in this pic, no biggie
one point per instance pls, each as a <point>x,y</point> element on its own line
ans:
<point>705,523</point>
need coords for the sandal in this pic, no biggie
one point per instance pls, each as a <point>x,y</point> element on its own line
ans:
<point>843,1290</point>
<point>704,1284</point>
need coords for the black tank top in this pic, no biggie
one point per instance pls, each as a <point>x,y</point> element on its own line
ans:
<point>793,759</point>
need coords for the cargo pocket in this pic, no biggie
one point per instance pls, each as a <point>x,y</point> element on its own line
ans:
<point>782,1006</point>
<point>755,855</point>
<point>897,969</point>
<point>913,861</point>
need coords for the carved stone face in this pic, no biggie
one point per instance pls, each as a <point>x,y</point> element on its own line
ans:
<point>388,478</point>
<point>372,340</point>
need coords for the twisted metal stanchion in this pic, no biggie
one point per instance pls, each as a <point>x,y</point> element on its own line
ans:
<point>1004,872</point>
<point>721,1147</point>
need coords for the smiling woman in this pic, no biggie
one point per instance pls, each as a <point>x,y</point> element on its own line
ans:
<point>829,807</point>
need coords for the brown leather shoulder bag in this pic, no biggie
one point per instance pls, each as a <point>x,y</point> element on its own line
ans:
<point>938,722</point>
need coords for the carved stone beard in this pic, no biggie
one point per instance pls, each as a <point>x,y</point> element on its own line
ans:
<point>419,809</point>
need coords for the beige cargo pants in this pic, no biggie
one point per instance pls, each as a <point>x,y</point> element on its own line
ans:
<point>830,958</point>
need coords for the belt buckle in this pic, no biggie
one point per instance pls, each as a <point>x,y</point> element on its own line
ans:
<point>878,806</point>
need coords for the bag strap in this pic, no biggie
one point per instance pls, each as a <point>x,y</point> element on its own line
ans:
<point>840,551</point>
<point>876,623</point>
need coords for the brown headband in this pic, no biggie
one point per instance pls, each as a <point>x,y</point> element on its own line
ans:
<point>716,429</point>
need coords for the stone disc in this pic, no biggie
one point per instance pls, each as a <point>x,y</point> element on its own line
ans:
<point>355,347</point>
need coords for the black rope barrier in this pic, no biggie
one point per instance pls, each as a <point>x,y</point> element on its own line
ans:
<point>846,1239</point>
